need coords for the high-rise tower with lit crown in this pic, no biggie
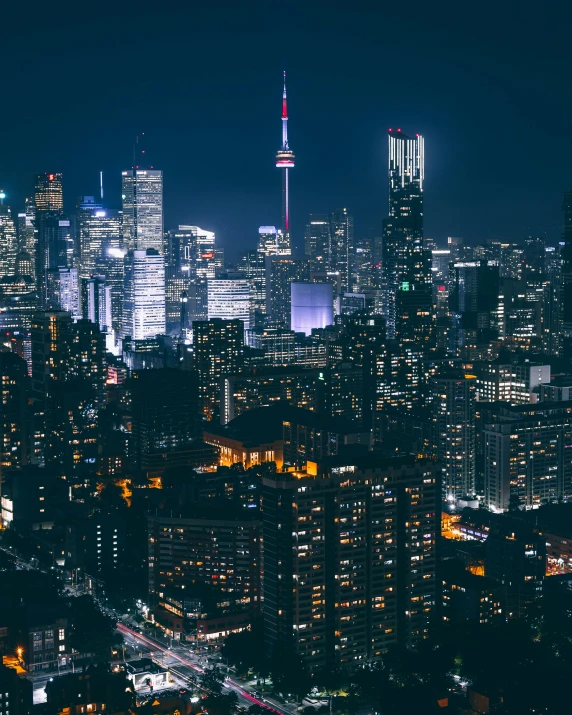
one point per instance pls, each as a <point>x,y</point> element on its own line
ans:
<point>285,162</point>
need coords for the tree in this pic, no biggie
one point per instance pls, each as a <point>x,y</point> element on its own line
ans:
<point>245,650</point>
<point>289,674</point>
<point>93,633</point>
<point>213,680</point>
<point>221,704</point>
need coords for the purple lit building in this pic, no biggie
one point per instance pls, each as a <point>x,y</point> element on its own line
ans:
<point>311,306</point>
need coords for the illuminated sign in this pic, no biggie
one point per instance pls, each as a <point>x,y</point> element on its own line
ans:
<point>210,254</point>
<point>51,177</point>
<point>405,285</point>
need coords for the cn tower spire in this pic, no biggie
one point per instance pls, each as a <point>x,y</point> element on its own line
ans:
<point>285,162</point>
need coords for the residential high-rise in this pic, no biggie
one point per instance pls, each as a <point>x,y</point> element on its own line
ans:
<point>406,262</point>
<point>526,448</point>
<point>48,195</point>
<point>65,352</point>
<point>221,589</point>
<point>349,557</point>
<point>515,557</point>
<point>14,415</point>
<point>229,299</point>
<point>142,195</point>
<point>144,295</point>
<point>218,350</point>
<point>165,413</point>
<point>453,396</point>
<point>285,162</point>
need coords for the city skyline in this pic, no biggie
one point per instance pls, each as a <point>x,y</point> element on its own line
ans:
<point>340,109</point>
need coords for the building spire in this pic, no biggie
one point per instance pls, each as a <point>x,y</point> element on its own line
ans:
<point>285,161</point>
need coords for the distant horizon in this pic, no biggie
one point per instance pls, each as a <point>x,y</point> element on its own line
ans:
<point>210,110</point>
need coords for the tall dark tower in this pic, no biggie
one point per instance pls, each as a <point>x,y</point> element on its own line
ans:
<point>406,263</point>
<point>285,162</point>
<point>566,278</point>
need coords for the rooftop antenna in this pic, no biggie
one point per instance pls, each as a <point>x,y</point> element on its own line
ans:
<point>101,185</point>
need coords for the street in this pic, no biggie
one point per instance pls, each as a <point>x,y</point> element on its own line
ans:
<point>186,666</point>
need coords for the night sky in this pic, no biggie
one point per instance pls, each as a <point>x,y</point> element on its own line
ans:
<point>488,84</point>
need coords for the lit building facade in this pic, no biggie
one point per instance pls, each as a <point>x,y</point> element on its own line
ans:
<point>142,196</point>
<point>406,262</point>
<point>272,242</point>
<point>526,455</point>
<point>350,559</point>
<point>48,194</point>
<point>144,295</point>
<point>453,395</point>
<point>217,350</point>
<point>99,229</point>
<point>8,241</point>
<point>229,300</point>
<point>69,298</point>
<point>311,306</point>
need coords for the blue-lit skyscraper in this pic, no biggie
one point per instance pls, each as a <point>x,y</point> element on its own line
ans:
<point>142,196</point>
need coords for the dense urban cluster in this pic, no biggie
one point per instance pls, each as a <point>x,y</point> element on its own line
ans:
<point>333,482</point>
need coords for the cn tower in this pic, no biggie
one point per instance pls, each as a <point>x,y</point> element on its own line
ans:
<point>285,162</point>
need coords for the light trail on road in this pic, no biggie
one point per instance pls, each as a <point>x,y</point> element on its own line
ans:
<point>189,663</point>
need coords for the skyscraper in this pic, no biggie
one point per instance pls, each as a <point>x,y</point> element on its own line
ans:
<point>26,221</point>
<point>48,195</point>
<point>191,263</point>
<point>99,303</point>
<point>98,229</point>
<point>144,295</point>
<point>142,195</point>
<point>252,265</point>
<point>342,246</point>
<point>53,234</point>
<point>317,240</point>
<point>69,292</point>
<point>229,300</point>
<point>406,263</point>
<point>8,240</point>
<point>285,162</point>
<point>272,242</point>
<point>280,272</point>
